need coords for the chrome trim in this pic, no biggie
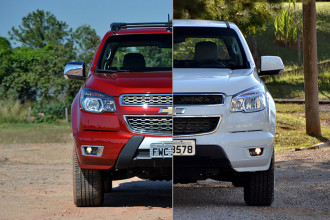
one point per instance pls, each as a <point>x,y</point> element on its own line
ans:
<point>75,71</point>
<point>244,91</point>
<point>199,116</point>
<point>147,141</point>
<point>224,96</point>
<point>172,110</point>
<point>98,154</point>
<point>147,116</point>
<point>145,94</point>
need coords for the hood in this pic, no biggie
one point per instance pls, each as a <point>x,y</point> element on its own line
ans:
<point>119,83</point>
<point>230,82</point>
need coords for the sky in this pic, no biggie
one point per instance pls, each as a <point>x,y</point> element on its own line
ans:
<point>97,13</point>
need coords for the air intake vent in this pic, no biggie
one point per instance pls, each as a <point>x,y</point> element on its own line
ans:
<point>149,124</point>
<point>194,99</point>
<point>194,125</point>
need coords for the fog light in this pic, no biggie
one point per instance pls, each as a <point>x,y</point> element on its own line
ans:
<point>256,151</point>
<point>91,150</point>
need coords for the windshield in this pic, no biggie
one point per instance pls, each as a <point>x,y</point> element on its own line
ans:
<point>206,47</point>
<point>137,53</point>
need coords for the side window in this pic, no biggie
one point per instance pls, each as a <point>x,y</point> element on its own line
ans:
<point>106,58</point>
<point>223,52</point>
<point>236,51</point>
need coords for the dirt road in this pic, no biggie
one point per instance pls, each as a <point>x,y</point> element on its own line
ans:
<point>36,183</point>
<point>302,191</point>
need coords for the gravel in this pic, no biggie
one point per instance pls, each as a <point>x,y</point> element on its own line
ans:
<point>302,191</point>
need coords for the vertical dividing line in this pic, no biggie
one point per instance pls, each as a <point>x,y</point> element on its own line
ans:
<point>172,115</point>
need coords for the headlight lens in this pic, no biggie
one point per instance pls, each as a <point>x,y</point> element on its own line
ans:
<point>251,100</point>
<point>95,101</point>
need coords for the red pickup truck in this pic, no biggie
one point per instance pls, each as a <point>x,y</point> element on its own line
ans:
<point>121,117</point>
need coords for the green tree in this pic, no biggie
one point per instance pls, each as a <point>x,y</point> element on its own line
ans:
<point>5,54</point>
<point>86,42</point>
<point>249,15</point>
<point>35,69</point>
<point>40,28</point>
<point>37,73</point>
<point>190,9</point>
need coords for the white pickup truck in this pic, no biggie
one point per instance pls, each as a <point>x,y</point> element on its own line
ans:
<point>223,116</point>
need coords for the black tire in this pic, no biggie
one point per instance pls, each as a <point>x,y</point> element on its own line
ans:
<point>259,187</point>
<point>87,185</point>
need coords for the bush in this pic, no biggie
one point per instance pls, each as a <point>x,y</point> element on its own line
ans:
<point>50,112</point>
<point>13,111</point>
<point>286,26</point>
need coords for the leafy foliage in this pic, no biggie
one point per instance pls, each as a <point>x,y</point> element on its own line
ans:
<point>249,15</point>
<point>287,24</point>
<point>86,41</point>
<point>5,52</point>
<point>48,112</point>
<point>39,29</point>
<point>34,70</point>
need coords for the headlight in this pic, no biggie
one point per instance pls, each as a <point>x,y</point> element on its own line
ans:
<point>95,101</point>
<point>251,100</point>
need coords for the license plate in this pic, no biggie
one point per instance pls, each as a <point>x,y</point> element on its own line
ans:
<point>184,147</point>
<point>161,150</point>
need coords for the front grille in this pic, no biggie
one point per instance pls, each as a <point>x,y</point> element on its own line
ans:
<point>146,99</point>
<point>194,125</point>
<point>196,99</point>
<point>150,124</point>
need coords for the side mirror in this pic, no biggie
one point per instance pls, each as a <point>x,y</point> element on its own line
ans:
<point>271,65</point>
<point>75,71</point>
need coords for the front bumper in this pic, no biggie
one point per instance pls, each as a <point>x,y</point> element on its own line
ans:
<point>229,150</point>
<point>121,150</point>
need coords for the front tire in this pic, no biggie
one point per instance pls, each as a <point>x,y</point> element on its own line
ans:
<point>259,187</point>
<point>87,185</point>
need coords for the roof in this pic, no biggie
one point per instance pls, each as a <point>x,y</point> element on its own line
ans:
<point>201,23</point>
<point>141,28</point>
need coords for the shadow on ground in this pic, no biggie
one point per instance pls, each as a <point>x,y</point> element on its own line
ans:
<point>140,193</point>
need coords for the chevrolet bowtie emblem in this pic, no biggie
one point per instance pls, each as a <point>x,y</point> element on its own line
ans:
<point>172,111</point>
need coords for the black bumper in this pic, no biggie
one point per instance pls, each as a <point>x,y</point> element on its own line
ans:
<point>130,157</point>
<point>209,161</point>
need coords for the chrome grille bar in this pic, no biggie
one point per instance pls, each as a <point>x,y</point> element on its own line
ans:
<point>150,124</point>
<point>146,99</point>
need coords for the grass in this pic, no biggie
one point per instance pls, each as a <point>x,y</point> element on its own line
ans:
<point>25,133</point>
<point>13,111</point>
<point>266,39</point>
<point>291,127</point>
<point>290,130</point>
<point>292,86</point>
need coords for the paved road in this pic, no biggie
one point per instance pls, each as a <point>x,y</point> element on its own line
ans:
<point>302,192</point>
